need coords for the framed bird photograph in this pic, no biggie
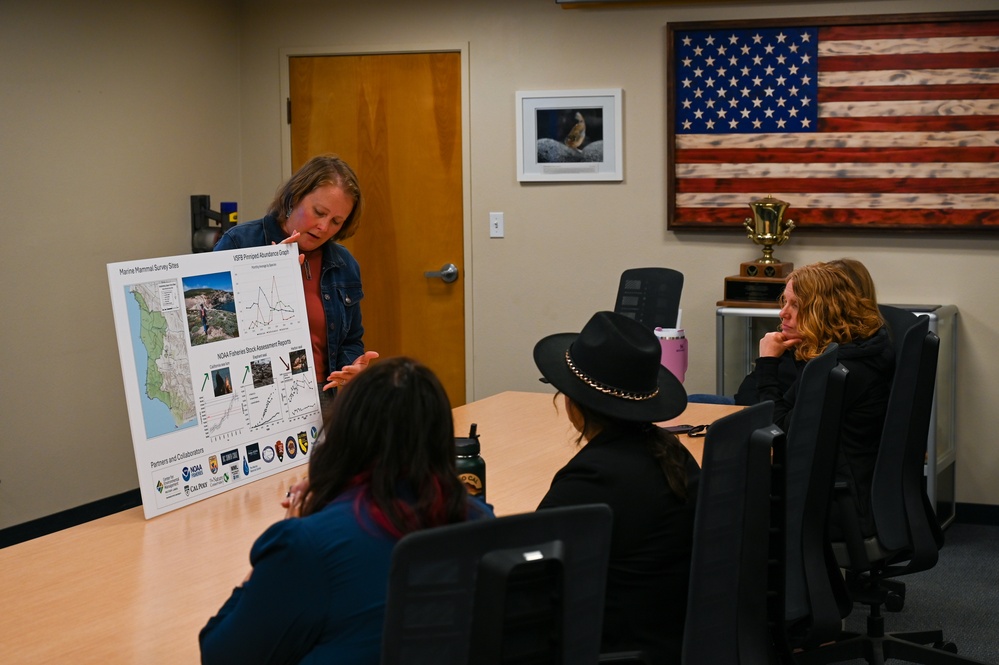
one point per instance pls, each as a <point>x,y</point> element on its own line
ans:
<point>569,135</point>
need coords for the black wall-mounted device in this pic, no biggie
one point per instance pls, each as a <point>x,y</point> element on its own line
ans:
<point>207,226</point>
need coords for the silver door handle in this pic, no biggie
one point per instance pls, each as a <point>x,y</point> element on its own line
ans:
<point>448,273</point>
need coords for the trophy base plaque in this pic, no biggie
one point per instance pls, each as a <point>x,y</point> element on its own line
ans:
<point>778,269</point>
<point>757,284</point>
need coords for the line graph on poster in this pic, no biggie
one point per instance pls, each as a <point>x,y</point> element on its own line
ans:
<point>222,417</point>
<point>299,395</point>
<point>263,308</point>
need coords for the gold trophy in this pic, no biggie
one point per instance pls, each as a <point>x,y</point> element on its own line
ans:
<point>761,282</point>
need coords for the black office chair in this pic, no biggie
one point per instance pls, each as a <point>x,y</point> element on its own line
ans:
<point>908,536</point>
<point>814,595</point>
<point>899,321</point>
<point>651,296</point>
<point>520,589</point>
<point>727,598</point>
<point>898,423</point>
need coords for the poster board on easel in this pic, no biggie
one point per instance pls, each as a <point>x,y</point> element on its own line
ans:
<point>218,370</point>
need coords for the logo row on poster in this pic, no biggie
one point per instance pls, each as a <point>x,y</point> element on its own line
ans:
<point>222,470</point>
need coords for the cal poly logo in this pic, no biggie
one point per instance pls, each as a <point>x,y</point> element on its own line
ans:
<point>213,464</point>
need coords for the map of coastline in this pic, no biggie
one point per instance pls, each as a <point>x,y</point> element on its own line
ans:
<point>159,333</point>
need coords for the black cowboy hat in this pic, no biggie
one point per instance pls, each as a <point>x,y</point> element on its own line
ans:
<point>613,367</point>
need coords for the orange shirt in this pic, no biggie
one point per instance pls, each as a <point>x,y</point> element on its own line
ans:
<point>311,272</point>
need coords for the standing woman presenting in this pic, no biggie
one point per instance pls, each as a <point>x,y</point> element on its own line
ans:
<point>317,207</point>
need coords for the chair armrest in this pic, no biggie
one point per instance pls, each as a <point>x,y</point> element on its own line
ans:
<point>625,658</point>
<point>853,537</point>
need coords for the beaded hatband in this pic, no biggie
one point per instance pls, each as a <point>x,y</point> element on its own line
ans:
<point>608,390</point>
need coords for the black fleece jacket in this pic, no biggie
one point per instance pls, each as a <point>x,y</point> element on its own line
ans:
<point>871,363</point>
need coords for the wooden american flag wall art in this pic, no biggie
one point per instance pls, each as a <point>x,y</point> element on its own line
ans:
<point>877,122</point>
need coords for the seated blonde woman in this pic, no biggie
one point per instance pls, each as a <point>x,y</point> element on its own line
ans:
<point>822,305</point>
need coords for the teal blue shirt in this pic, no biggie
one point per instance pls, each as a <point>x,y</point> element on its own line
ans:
<point>316,595</point>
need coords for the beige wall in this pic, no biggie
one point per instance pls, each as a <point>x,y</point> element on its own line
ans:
<point>107,127</point>
<point>112,114</point>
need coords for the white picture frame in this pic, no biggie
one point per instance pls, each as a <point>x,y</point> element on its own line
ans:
<point>548,137</point>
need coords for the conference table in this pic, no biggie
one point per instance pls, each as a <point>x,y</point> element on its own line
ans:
<point>123,589</point>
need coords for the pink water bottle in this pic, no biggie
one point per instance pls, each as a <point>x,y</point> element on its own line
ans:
<point>674,346</point>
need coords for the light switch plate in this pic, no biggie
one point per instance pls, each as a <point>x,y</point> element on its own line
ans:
<point>495,225</point>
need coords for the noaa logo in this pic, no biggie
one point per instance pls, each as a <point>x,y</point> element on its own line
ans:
<point>185,473</point>
<point>196,470</point>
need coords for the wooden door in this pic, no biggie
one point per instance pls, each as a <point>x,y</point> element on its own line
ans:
<point>396,119</point>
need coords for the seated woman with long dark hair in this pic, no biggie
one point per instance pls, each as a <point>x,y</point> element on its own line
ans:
<point>385,468</point>
<point>614,391</point>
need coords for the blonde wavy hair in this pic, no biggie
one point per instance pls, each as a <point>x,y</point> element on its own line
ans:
<point>859,275</point>
<point>831,308</point>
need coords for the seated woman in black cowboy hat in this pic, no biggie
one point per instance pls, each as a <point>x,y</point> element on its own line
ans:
<point>615,390</point>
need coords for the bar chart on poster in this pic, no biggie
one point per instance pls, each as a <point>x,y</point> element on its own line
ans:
<point>217,365</point>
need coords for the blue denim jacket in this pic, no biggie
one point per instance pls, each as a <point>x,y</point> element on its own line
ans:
<point>340,285</point>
